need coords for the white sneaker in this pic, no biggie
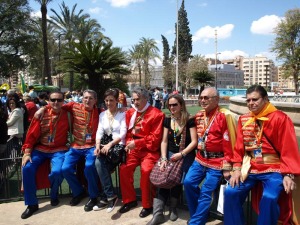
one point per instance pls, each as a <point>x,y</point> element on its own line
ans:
<point>111,204</point>
<point>100,205</point>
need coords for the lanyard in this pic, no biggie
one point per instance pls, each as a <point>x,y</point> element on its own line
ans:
<point>139,119</point>
<point>258,134</point>
<point>53,125</point>
<point>89,120</point>
<point>208,125</point>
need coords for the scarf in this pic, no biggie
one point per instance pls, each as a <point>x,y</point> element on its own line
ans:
<point>246,164</point>
<point>132,119</point>
<point>269,108</point>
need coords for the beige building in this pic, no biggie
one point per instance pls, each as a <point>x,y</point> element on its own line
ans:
<point>285,83</point>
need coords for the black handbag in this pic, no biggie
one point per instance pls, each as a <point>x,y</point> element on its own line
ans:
<point>116,153</point>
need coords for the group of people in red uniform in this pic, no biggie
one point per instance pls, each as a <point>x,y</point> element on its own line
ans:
<point>262,150</point>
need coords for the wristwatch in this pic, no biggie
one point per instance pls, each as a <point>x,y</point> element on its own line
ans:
<point>290,176</point>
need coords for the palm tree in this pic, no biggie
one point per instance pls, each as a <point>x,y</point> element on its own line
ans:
<point>47,72</point>
<point>136,57</point>
<point>98,61</point>
<point>67,25</point>
<point>204,77</point>
<point>149,51</point>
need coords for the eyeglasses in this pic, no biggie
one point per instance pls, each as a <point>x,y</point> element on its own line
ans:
<point>252,99</point>
<point>56,100</point>
<point>206,97</point>
<point>12,103</point>
<point>174,105</point>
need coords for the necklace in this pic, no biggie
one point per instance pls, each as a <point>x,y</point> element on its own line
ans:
<point>175,132</point>
<point>111,119</point>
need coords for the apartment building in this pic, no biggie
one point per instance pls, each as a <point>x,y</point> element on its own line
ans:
<point>283,82</point>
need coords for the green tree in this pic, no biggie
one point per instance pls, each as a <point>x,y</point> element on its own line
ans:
<point>149,51</point>
<point>135,54</point>
<point>67,24</point>
<point>184,44</point>
<point>198,71</point>
<point>168,70</point>
<point>287,44</point>
<point>47,72</point>
<point>16,36</point>
<point>97,62</point>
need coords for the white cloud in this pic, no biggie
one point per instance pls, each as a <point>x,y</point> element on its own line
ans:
<point>36,14</point>
<point>227,54</point>
<point>265,25</point>
<point>204,4</point>
<point>94,1</point>
<point>122,3</point>
<point>208,32</point>
<point>95,10</point>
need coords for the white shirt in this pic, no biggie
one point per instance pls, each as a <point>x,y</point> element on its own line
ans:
<point>118,126</point>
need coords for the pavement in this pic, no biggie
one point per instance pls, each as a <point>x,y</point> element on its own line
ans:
<point>64,214</point>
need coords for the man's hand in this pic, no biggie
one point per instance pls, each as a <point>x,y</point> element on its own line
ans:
<point>288,184</point>
<point>226,174</point>
<point>25,159</point>
<point>130,146</point>
<point>235,178</point>
<point>40,113</point>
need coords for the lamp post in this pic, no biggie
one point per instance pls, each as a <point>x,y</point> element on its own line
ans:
<point>216,72</point>
<point>177,47</point>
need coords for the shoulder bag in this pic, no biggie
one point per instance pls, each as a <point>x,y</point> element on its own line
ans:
<point>116,154</point>
<point>172,174</point>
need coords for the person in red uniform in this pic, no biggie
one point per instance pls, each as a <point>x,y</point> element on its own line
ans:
<point>266,152</point>
<point>145,128</point>
<point>215,144</point>
<point>85,124</point>
<point>46,139</point>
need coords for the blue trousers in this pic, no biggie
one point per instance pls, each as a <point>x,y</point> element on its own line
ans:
<point>104,171</point>
<point>268,206</point>
<point>29,174</point>
<point>68,170</point>
<point>199,199</point>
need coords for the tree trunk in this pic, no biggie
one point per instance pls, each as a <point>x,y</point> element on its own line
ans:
<point>71,84</point>
<point>47,72</point>
<point>296,81</point>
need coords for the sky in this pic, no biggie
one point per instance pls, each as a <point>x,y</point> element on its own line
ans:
<point>243,27</point>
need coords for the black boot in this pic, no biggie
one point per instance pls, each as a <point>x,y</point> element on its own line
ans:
<point>158,216</point>
<point>173,209</point>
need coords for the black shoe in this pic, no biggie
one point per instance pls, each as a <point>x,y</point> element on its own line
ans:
<point>54,202</point>
<point>126,207</point>
<point>146,212</point>
<point>102,204</point>
<point>90,204</point>
<point>77,199</point>
<point>111,204</point>
<point>29,211</point>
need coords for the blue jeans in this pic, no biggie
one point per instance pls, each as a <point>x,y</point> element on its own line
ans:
<point>199,199</point>
<point>104,171</point>
<point>68,169</point>
<point>29,173</point>
<point>268,206</point>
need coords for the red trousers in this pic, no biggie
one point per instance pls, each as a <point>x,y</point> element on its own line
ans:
<point>146,160</point>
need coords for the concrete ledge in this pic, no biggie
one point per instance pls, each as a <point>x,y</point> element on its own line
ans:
<point>238,106</point>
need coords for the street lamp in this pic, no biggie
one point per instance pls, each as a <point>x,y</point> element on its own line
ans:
<point>216,72</point>
<point>177,47</point>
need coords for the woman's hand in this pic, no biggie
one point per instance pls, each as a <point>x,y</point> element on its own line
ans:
<point>163,165</point>
<point>105,148</point>
<point>175,157</point>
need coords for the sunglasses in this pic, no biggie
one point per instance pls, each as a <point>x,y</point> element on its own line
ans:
<point>252,99</point>
<point>206,97</point>
<point>56,100</point>
<point>174,105</point>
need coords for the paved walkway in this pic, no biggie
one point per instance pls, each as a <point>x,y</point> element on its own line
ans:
<point>64,214</point>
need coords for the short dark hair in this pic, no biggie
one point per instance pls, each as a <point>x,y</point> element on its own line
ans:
<point>57,92</point>
<point>258,88</point>
<point>113,92</point>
